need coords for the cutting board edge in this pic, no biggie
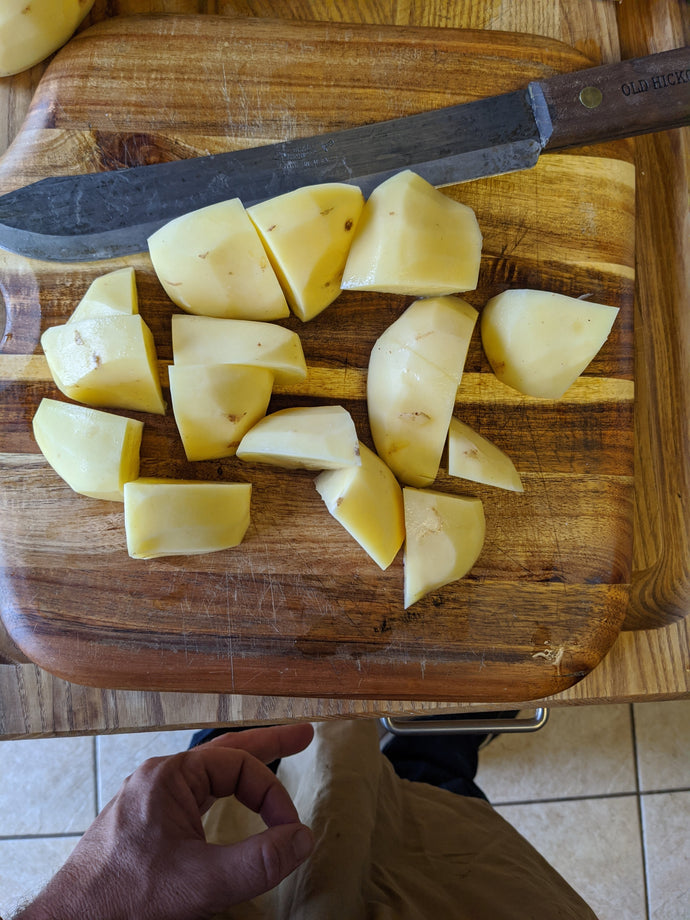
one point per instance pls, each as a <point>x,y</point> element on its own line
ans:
<point>94,664</point>
<point>408,33</point>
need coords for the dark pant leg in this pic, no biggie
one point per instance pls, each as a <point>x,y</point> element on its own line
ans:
<point>447,761</point>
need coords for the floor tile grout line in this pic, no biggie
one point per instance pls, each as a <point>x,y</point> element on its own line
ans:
<point>583,797</point>
<point>636,759</point>
<point>640,819</point>
<point>670,791</point>
<point>96,784</point>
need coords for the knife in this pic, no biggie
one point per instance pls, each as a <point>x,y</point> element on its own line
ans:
<point>108,214</point>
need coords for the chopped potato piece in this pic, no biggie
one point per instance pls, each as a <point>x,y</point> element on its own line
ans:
<point>310,438</point>
<point>30,30</point>
<point>208,340</point>
<point>109,295</point>
<point>212,262</point>
<point>414,371</point>
<point>539,342</point>
<point>414,239</point>
<point>307,234</point>
<point>438,329</point>
<point>106,361</point>
<point>215,405</point>
<point>95,452</point>
<point>472,456</point>
<point>176,517</point>
<point>367,501</point>
<point>410,403</point>
<point>444,535</point>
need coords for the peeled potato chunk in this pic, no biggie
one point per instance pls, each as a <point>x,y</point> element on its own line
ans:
<point>106,361</point>
<point>209,340</point>
<point>211,262</point>
<point>472,456</point>
<point>410,402</point>
<point>30,30</point>
<point>109,295</point>
<point>367,501</point>
<point>95,452</point>
<point>304,437</point>
<point>438,329</point>
<point>215,405</point>
<point>176,517</point>
<point>540,342</point>
<point>444,535</point>
<point>414,371</point>
<point>307,234</point>
<point>414,239</point>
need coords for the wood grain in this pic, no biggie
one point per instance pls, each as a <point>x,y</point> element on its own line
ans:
<point>661,580</point>
<point>300,610</point>
<point>641,666</point>
<point>651,664</point>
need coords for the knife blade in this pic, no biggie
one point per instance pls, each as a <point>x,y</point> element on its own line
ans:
<point>103,215</point>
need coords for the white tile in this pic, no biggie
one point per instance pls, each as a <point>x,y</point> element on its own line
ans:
<point>47,786</point>
<point>666,828</point>
<point>662,734</point>
<point>581,751</point>
<point>119,755</point>
<point>26,866</point>
<point>595,844</point>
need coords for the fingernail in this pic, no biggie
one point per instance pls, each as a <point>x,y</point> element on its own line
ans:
<point>302,843</point>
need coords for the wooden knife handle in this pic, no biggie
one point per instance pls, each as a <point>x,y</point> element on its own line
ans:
<point>605,103</point>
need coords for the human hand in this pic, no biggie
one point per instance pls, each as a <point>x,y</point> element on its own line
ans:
<point>146,856</point>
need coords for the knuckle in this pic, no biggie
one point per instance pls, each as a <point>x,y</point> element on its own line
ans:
<point>141,789</point>
<point>272,862</point>
<point>148,771</point>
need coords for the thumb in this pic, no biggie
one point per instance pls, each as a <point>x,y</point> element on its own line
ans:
<point>260,862</point>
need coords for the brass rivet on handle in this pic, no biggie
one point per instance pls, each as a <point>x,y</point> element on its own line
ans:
<point>591,96</point>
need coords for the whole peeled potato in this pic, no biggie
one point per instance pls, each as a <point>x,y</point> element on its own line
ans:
<point>30,30</point>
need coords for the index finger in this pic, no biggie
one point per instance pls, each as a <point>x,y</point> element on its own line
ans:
<point>268,743</point>
<point>215,771</point>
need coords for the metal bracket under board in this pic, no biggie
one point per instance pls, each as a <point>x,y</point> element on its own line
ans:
<point>483,723</point>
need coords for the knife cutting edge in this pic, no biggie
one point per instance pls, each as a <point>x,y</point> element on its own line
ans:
<point>103,215</point>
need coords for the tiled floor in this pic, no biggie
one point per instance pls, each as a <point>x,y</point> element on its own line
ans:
<point>603,792</point>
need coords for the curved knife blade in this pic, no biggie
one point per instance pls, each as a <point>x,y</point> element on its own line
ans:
<point>102,215</point>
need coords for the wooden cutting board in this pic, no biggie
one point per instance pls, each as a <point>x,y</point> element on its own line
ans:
<point>299,609</point>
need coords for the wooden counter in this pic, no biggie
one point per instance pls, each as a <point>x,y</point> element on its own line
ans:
<point>650,660</point>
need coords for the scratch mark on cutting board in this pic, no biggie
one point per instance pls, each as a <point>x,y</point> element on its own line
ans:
<point>226,94</point>
<point>270,591</point>
<point>228,618</point>
<point>274,592</point>
<point>512,558</point>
